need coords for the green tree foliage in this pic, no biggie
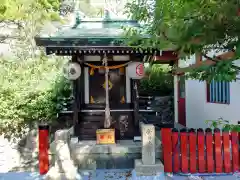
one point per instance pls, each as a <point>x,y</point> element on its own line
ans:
<point>223,124</point>
<point>85,6</point>
<point>196,26</point>
<point>18,10</point>
<point>90,10</point>
<point>22,20</point>
<point>158,81</point>
<point>32,88</point>
<point>31,91</point>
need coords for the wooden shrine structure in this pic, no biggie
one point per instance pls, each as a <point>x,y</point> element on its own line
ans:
<point>98,45</point>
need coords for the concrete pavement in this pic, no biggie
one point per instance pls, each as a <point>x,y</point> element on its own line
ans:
<point>115,174</point>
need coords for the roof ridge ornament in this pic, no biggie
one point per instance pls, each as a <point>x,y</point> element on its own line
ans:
<point>77,20</point>
<point>106,15</point>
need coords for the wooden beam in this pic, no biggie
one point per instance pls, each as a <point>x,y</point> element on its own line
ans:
<point>199,62</point>
<point>167,56</point>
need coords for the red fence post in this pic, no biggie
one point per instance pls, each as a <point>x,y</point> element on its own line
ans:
<point>235,151</point>
<point>201,146</point>
<point>43,148</point>
<point>226,152</point>
<point>239,142</point>
<point>166,134</point>
<point>192,150</point>
<point>209,148</point>
<point>184,150</point>
<point>176,151</point>
<point>218,151</point>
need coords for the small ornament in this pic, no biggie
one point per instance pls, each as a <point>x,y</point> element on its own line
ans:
<point>121,70</point>
<point>122,100</point>
<point>91,71</point>
<point>110,85</point>
<point>92,100</point>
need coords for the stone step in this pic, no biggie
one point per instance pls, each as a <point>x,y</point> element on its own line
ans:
<point>106,161</point>
<point>121,147</point>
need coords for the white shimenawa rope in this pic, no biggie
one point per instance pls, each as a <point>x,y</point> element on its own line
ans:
<point>107,122</point>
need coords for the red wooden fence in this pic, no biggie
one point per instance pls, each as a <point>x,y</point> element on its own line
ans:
<point>196,151</point>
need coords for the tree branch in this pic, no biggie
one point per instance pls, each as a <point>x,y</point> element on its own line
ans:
<point>210,58</point>
<point>218,59</point>
<point>167,38</point>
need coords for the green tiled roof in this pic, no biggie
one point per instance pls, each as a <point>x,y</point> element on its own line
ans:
<point>95,30</point>
<point>89,36</point>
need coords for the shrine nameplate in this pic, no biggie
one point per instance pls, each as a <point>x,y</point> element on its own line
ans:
<point>105,136</point>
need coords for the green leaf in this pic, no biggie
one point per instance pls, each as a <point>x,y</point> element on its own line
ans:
<point>214,124</point>
<point>190,27</point>
<point>226,127</point>
<point>236,128</point>
<point>237,51</point>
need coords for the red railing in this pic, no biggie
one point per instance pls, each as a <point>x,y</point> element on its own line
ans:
<point>196,151</point>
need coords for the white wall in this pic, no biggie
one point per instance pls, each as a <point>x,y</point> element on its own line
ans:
<point>198,110</point>
<point>187,61</point>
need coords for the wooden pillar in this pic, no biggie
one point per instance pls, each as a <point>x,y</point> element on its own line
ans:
<point>175,88</point>
<point>75,101</point>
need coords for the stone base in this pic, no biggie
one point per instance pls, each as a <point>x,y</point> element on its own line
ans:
<point>148,170</point>
<point>54,174</point>
<point>121,146</point>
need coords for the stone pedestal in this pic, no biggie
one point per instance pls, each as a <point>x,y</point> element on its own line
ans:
<point>148,144</point>
<point>148,170</point>
<point>148,165</point>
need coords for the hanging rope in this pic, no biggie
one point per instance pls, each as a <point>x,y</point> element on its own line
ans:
<point>109,67</point>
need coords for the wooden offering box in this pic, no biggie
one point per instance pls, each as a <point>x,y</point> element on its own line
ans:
<point>105,136</point>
